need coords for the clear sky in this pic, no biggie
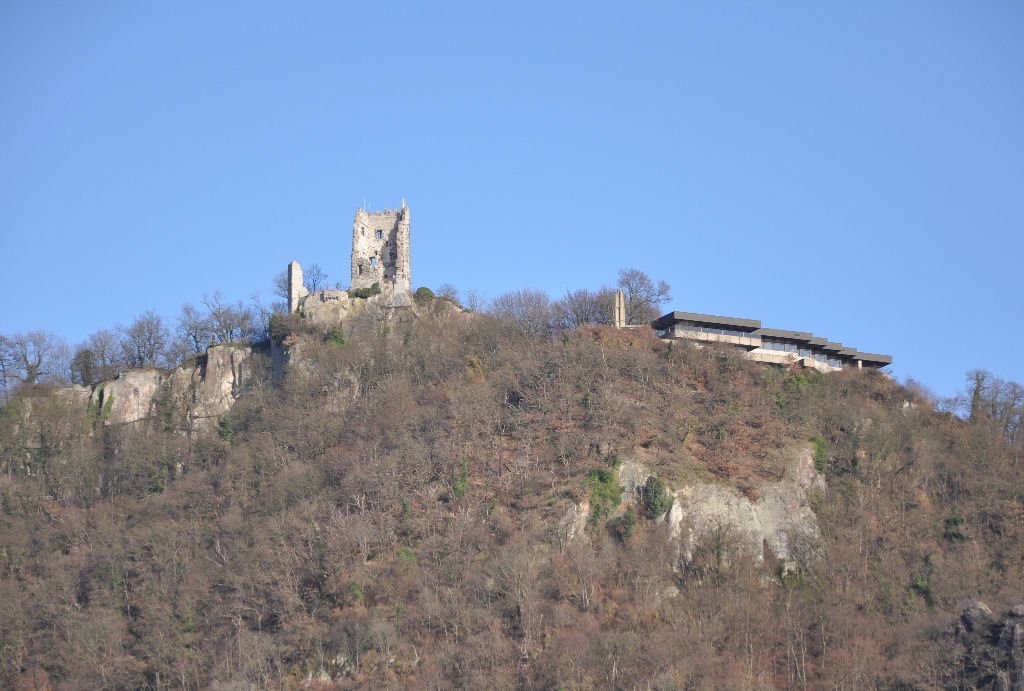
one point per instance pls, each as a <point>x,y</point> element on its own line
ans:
<point>851,169</point>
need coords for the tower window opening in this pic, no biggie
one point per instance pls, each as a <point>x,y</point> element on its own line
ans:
<point>373,262</point>
<point>380,234</point>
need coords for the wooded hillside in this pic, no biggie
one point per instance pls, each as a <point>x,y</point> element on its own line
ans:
<point>387,515</point>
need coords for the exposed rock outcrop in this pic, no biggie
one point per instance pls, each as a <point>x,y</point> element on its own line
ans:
<point>992,654</point>
<point>327,308</point>
<point>206,391</point>
<point>573,524</point>
<point>199,393</point>
<point>779,518</point>
<point>128,398</point>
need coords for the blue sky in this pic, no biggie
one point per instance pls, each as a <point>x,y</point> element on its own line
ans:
<point>855,170</point>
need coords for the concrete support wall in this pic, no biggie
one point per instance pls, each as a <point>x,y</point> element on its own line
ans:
<point>678,331</point>
<point>753,347</point>
<point>380,250</point>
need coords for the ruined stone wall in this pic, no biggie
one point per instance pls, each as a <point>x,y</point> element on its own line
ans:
<point>296,290</point>
<point>380,250</point>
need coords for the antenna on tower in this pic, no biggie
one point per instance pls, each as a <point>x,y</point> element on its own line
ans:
<point>403,202</point>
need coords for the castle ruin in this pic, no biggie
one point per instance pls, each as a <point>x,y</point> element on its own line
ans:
<point>380,250</point>
<point>380,255</point>
<point>296,288</point>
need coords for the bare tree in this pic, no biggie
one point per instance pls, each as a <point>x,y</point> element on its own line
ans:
<point>193,329</point>
<point>98,358</point>
<point>447,291</point>
<point>281,286</point>
<point>642,295</point>
<point>84,369</point>
<point>191,334</point>
<point>994,402</point>
<point>6,368</point>
<point>34,357</point>
<point>144,342</point>
<point>261,316</point>
<point>314,278</point>
<point>474,301</point>
<point>228,323</point>
<point>584,306</point>
<point>529,311</point>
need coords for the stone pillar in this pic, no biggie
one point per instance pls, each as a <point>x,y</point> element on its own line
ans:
<point>296,291</point>
<point>619,313</point>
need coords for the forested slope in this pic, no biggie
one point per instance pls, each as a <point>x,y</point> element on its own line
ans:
<point>388,515</point>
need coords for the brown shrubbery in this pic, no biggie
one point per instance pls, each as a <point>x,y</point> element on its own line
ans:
<point>387,515</point>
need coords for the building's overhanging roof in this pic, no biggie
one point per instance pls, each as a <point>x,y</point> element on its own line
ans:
<point>754,326</point>
<point>667,320</point>
<point>874,358</point>
<point>802,336</point>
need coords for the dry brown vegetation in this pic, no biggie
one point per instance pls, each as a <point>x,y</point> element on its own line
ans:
<point>387,515</point>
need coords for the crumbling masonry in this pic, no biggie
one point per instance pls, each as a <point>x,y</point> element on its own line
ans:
<point>296,290</point>
<point>380,254</point>
<point>380,250</point>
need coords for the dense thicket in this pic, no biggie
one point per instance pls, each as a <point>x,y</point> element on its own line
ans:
<point>388,515</point>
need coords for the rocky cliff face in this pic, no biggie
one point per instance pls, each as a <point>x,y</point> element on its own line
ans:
<point>991,647</point>
<point>205,392</point>
<point>128,398</point>
<point>327,308</point>
<point>779,519</point>
<point>199,393</point>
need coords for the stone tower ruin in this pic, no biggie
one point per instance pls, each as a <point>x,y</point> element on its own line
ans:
<point>380,251</point>
<point>296,289</point>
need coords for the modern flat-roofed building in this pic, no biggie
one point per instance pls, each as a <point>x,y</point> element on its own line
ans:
<point>774,346</point>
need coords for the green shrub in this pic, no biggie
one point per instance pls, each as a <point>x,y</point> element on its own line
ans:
<point>423,294</point>
<point>923,587</point>
<point>225,431</point>
<point>952,531</point>
<point>799,381</point>
<point>336,336</point>
<point>355,591</point>
<point>365,292</point>
<point>655,497</point>
<point>605,494</point>
<point>461,482</point>
<point>820,447</point>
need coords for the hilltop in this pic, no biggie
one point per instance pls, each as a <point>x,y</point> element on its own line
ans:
<point>438,499</point>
